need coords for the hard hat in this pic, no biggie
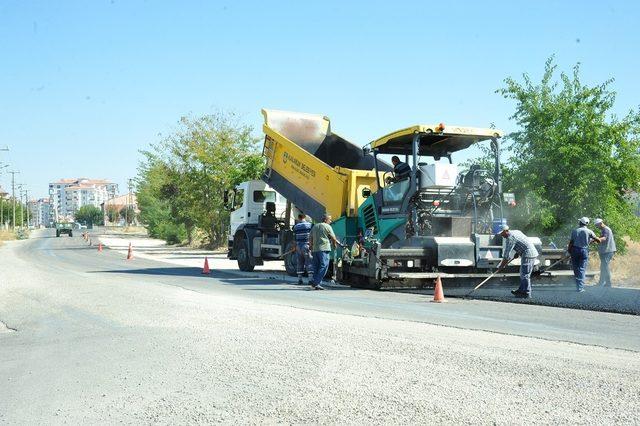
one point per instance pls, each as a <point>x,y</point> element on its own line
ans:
<point>598,221</point>
<point>584,220</point>
<point>503,228</point>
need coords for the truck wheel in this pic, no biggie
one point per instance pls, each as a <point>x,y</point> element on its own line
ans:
<point>291,260</point>
<point>245,262</point>
<point>57,233</point>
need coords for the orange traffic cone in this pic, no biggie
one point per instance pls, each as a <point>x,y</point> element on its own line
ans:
<point>99,247</point>
<point>438,294</point>
<point>130,253</point>
<point>206,269</point>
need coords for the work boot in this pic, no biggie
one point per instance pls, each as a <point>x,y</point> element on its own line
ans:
<point>299,280</point>
<point>318,287</point>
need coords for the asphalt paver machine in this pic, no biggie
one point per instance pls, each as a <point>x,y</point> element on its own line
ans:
<point>401,233</point>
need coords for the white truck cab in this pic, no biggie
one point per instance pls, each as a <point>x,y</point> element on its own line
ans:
<point>259,226</point>
<point>249,202</point>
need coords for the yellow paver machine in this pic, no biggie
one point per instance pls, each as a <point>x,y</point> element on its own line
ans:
<point>400,232</point>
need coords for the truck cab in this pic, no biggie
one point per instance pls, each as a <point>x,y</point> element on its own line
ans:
<point>259,225</point>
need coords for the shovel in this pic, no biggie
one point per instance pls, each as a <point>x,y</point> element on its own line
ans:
<point>538,273</point>
<point>489,277</point>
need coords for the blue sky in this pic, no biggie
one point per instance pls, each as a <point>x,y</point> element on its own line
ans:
<point>85,85</point>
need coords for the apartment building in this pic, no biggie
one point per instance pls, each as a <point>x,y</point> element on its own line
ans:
<point>68,195</point>
<point>40,213</point>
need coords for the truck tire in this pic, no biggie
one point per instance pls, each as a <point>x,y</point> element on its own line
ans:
<point>57,233</point>
<point>245,262</point>
<point>291,260</point>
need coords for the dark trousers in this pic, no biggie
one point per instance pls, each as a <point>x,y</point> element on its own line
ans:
<point>303,258</point>
<point>320,265</point>
<point>579,260</point>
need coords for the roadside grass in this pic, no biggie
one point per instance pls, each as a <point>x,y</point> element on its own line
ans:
<point>625,270</point>
<point>6,236</point>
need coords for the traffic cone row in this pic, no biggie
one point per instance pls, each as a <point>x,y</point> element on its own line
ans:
<point>130,253</point>
<point>438,294</point>
<point>99,247</point>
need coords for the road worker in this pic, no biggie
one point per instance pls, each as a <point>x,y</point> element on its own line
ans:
<point>578,248</point>
<point>518,242</point>
<point>606,250</point>
<point>301,231</point>
<point>321,239</point>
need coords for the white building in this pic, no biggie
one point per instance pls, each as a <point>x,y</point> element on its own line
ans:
<point>40,213</point>
<point>68,195</point>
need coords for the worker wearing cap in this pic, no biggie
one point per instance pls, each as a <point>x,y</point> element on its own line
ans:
<point>606,250</point>
<point>518,242</point>
<point>578,248</point>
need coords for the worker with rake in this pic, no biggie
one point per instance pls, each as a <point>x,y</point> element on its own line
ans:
<point>518,242</point>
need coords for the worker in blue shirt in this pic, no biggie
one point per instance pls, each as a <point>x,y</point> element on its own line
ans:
<point>578,248</point>
<point>301,231</point>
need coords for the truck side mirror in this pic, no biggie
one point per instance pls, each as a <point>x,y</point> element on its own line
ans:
<point>366,192</point>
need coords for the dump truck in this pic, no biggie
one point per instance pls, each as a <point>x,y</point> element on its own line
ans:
<point>259,226</point>
<point>438,221</point>
<point>64,228</point>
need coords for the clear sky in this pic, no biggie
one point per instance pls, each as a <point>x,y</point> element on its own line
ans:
<point>85,84</point>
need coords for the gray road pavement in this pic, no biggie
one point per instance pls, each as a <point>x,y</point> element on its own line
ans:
<point>89,337</point>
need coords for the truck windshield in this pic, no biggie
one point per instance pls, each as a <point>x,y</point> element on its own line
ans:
<point>264,196</point>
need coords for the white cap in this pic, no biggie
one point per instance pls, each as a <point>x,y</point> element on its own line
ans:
<point>584,220</point>
<point>598,221</point>
<point>503,228</point>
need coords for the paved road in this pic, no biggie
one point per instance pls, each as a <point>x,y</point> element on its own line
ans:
<point>90,337</point>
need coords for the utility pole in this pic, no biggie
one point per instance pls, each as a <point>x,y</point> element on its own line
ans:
<point>26,199</point>
<point>20,191</point>
<point>129,186</point>
<point>13,195</point>
<point>2,194</point>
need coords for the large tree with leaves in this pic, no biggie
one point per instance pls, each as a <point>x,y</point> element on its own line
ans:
<point>89,214</point>
<point>571,156</point>
<point>199,161</point>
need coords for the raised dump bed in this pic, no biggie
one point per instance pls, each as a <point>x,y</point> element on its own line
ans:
<point>315,169</point>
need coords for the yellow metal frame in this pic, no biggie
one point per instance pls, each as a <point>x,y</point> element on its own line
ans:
<point>476,132</point>
<point>338,189</point>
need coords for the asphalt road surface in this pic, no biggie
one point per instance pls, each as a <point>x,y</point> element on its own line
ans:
<point>87,337</point>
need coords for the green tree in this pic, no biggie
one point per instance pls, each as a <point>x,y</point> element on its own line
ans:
<point>128,214</point>
<point>186,174</point>
<point>571,156</point>
<point>113,213</point>
<point>89,214</point>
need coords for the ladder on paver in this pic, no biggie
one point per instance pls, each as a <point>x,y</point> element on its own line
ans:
<point>269,152</point>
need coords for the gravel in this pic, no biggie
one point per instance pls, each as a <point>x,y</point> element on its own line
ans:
<point>106,349</point>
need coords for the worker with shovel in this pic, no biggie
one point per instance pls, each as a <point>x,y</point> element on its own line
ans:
<point>518,242</point>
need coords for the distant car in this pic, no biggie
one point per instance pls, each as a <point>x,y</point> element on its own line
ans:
<point>64,228</point>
